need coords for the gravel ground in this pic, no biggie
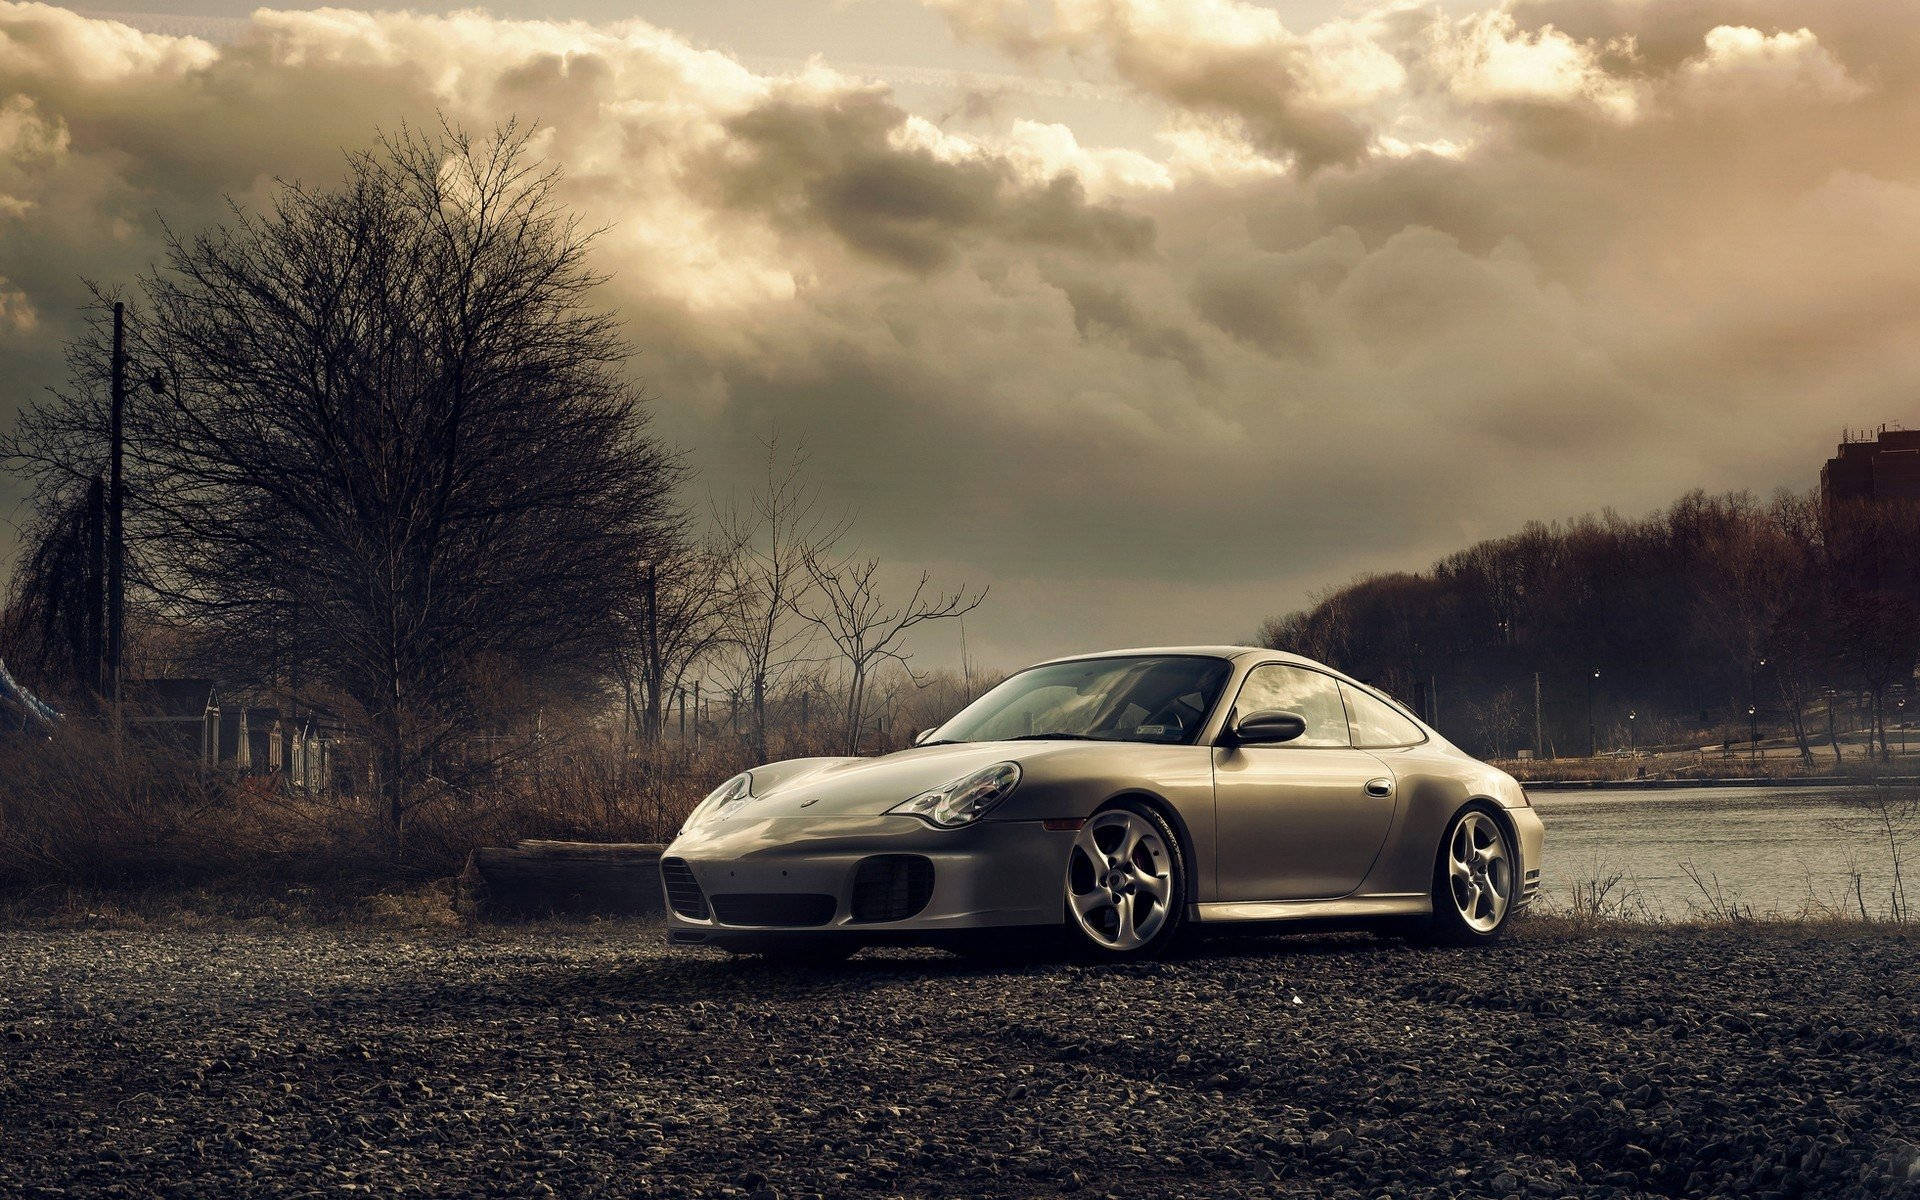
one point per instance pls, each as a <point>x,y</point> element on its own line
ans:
<point>588,1060</point>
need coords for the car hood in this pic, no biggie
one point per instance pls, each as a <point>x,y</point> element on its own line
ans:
<point>1057,779</point>
<point>862,786</point>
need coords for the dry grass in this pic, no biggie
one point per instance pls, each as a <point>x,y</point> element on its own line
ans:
<point>1652,770</point>
<point>77,811</point>
<point>90,832</point>
<point>91,836</point>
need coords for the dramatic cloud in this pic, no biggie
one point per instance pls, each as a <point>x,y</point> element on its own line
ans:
<point>1741,63</point>
<point>1294,94</point>
<point>1378,287</point>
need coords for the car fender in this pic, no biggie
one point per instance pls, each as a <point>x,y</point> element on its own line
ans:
<point>1432,788</point>
<point>1061,787</point>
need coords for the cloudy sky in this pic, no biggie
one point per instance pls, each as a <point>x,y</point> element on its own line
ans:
<point>1156,315</point>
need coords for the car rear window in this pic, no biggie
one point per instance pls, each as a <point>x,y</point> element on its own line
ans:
<point>1375,724</point>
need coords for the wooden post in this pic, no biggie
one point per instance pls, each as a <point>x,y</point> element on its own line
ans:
<point>540,879</point>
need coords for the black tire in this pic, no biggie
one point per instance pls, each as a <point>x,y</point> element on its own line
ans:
<point>1449,925</point>
<point>1157,856</point>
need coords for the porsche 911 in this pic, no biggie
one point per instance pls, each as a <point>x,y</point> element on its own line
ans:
<point>1123,800</point>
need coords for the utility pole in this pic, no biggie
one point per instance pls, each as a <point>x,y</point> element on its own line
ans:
<point>116,508</point>
<point>97,585</point>
<point>1539,726</point>
<point>966,664</point>
<point>1593,744</point>
<point>654,671</point>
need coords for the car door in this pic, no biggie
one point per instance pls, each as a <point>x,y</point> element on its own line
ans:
<point>1302,820</point>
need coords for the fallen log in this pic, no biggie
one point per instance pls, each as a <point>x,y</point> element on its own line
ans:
<point>544,879</point>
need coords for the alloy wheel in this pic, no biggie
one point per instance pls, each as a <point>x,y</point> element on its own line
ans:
<point>1120,880</point>
<point>1479,872</point>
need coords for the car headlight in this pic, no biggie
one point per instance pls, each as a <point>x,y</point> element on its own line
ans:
<point>721,801</point>
<point>964,800</point>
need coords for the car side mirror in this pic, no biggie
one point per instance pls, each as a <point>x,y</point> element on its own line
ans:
<point>1268,728</point>
<point>922,736</point>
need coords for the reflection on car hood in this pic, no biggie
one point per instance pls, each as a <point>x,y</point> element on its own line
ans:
<point>843,786</point>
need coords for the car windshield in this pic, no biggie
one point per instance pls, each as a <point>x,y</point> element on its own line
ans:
<point>1162,698</point>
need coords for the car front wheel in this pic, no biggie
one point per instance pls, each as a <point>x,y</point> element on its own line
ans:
<point>1126,883</point>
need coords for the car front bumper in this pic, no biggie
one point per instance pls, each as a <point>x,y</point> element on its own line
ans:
<point>794,877</point>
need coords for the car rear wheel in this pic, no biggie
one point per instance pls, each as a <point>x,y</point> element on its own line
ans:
<point>1473,879</point>
<point>1126,883</point>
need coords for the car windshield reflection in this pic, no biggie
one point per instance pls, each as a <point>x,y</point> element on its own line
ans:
<point>1161,699</point>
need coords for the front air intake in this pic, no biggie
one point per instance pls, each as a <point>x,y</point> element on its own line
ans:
<point>891,887</point>
<point>784,910</point>
<point>683,890</point>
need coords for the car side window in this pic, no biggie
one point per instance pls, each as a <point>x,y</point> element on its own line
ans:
<point>1277,687</point>
<point>1376,725</point>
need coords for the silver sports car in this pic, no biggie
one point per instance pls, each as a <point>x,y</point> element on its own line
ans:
<point>1123,798</point>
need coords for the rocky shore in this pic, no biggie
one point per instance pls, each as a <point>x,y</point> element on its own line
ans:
<point>587,1060</point>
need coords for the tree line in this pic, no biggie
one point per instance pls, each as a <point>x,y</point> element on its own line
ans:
<point>383,458</point>
<point>1693,625</point>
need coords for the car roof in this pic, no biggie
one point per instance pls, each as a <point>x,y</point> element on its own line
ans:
<point>1238,653</point>
<point>1228,652</point>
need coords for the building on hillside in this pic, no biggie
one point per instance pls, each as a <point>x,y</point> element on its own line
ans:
<point>1882,464</point>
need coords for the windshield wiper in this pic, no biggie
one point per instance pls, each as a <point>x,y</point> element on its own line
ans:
<point>1072,737</point>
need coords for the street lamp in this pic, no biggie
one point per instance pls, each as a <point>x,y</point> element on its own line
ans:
<point>1753,733</point>
<point>1632,746</point>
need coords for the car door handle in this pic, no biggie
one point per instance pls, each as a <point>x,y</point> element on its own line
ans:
<point>1380,787</point>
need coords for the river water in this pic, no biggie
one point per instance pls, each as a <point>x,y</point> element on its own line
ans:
<point>1782,851</point>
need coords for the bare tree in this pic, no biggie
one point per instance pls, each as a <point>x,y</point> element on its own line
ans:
<point>1743,581</point>
<point>770,542</point>
<point>865,630</point>
<point>679,616</point>
<point>1799,650</point>
<point>1874,551</point>
<point>1500,719</point>
<point>388,439</point>
<point>50,629</point>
